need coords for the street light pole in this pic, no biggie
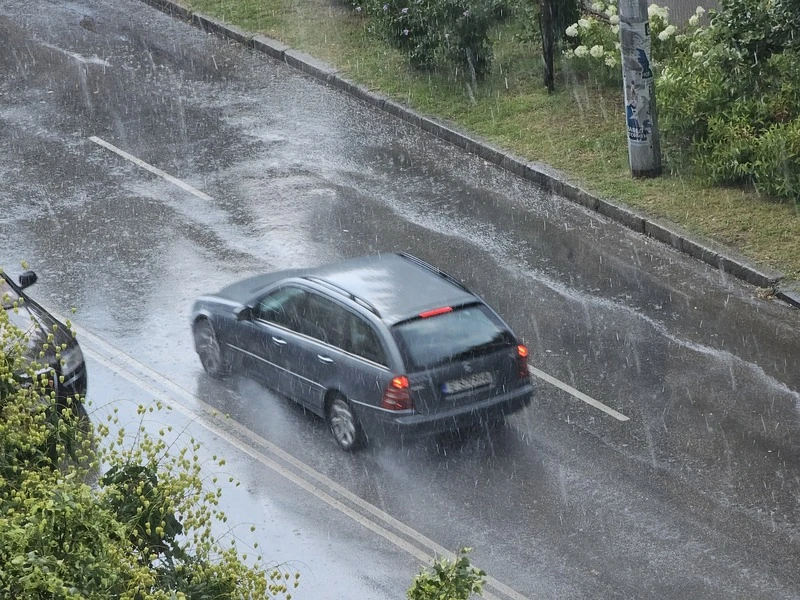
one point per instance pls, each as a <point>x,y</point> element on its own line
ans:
<point>644,143</point>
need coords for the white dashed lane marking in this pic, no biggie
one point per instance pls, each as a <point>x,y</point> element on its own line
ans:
<point>576,393</point>
<point>155,170</point>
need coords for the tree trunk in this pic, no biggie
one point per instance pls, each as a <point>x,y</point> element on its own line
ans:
<point>546,24</point>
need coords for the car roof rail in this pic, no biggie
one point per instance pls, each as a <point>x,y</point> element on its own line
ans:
<point>436,270</point>
<point>344,292</point>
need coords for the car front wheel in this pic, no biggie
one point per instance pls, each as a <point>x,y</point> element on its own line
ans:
<point>208,348</point>
<point>344,425</point>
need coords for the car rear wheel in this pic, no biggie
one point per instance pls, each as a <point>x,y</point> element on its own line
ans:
<point>344,425</point>
<point>208,348</point>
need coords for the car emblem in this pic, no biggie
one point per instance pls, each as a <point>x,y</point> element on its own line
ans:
<point>467,369</point>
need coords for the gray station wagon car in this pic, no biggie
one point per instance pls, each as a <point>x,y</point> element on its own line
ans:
<point>374,345</point>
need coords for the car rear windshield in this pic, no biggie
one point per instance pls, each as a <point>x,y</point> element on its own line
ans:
<point>461,334</point>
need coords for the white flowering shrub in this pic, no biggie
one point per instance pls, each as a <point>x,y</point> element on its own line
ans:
<point>596,48</point>
<point>730,99</point>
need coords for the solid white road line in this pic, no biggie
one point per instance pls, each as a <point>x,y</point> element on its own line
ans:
<point>208,417</point>
<point>262,458</point>
<point>576,393</point>
<point>137,161</point>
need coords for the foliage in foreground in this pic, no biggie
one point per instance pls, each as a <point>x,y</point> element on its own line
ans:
<point>448,580</point>
<point>141,530</point>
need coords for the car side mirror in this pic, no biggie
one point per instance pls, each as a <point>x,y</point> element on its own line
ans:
<point>27,279</point>
<point>243,313</point>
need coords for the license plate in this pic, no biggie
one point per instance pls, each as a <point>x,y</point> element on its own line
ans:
<point>470,382</point>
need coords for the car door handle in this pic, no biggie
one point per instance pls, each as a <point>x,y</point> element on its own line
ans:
<point>325,359</point>
<point>278,341</point>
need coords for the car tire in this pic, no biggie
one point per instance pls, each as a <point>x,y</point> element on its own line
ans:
<point>209,350</point>
<point>344,424</point>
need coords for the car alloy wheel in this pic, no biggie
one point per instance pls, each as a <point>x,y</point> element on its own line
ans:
<point>343,424</point>
<point>209,350</point>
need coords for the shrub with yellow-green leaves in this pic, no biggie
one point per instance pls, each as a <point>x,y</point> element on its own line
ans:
<point>83,514</point>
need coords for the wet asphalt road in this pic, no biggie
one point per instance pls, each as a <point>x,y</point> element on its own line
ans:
<point>696,496</point>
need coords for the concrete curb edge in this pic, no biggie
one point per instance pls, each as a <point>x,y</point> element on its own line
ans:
<point>789,294</point>
<point>723,258</point>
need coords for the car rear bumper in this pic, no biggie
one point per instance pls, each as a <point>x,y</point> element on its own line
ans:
<point>409,424</point>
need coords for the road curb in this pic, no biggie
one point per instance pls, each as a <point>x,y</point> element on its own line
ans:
<point>721,257</point>
<point>789,294</point>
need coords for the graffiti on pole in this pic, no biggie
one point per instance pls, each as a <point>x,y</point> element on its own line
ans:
<point>641,116</point>
<point>638,78</point>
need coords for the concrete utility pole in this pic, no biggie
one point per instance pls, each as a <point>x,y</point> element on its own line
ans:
<point>644,143</point>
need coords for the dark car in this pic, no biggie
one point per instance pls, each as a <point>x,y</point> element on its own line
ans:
<point>375,344</point>
<point>67,371</point>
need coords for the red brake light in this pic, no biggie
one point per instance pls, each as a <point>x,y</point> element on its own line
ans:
<point>436,311</point>
<point>522,361</point>
<point>400,383</point>
<point>397,395</point>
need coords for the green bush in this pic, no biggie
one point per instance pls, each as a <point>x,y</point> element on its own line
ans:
<point>731,97</point>
<point>437,32</point>
<point>778,161</point>
<point>142,530</point>
<point>448,580</point>
<point>728,94</point>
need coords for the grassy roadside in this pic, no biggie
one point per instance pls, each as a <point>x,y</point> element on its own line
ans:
<point>578,130</point>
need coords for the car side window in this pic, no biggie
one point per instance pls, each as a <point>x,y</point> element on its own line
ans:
<point>284,306</point>
<point>363,341</point>
<point>324,320</point>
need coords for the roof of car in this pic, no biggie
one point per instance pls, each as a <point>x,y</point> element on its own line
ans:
<point>398,286</point>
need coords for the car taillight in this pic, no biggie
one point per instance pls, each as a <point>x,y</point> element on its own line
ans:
<point>522,361</point>
<point>436,311</point>
<point>397,395</point>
